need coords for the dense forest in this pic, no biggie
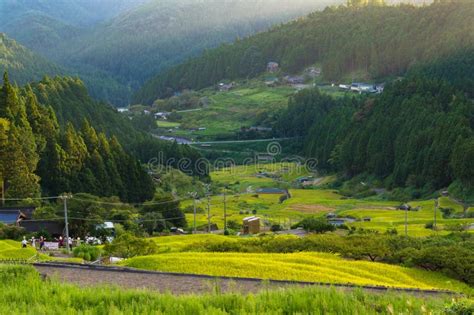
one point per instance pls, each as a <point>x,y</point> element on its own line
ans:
<point>39,157</point>
<point>115,46</point>
<point>363,42</point>
<point>419,133</point>
<point>22,64</point>
<point>72,104</point>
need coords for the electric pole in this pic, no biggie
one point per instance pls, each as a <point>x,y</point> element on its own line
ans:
<point>194,195</point>
<point>225,212</point>
<point>3,193</point>
<point>65,197</point>
<point>406,221</point>
<point>435,210</point>
<point>208,213</point>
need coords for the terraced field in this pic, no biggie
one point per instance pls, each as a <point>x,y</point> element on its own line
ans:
<point>314,267</point>
<point>12,250</point>
<point>305,202</point>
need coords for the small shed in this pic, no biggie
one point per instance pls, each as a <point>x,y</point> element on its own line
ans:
<point>272,67</point>
<point>251,225</point>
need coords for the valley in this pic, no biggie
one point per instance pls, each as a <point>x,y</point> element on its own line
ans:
<point>237,157</point>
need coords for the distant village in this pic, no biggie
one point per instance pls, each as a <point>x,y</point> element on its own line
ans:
<point>272,78</point>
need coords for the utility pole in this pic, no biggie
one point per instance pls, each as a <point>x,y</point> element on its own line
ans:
<point>194,196</point>
<point>435,210</point>
<point>208,213</point>
<point>65,197</point>
<point>225,212</point>
<point>406,221</point>
<point>3,193</point>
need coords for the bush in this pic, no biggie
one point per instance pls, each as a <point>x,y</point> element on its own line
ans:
<point>87,252</point>
<point>462,307</point>
<point>128,245</point>
<point>447,212</point>
<point>276,228</point>
<point>317,225</point>
<point>11,232</point>
<point>233,225</point>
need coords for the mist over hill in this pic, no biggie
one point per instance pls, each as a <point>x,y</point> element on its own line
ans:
<point>126,42</point>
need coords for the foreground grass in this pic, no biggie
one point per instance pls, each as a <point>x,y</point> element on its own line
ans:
<point>314,267</point>
<point>24,293</point>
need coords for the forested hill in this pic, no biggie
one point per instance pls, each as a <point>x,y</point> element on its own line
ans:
<point>418,134</point>
<point>114,46</point>
<point>72,104</point>
<point>38,157</point>
<point>360,42</point>
<point>22,64</point>
<point>141,42</point>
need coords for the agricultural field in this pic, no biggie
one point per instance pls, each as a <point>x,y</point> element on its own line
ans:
<point>228,111</point>
<point>313,267</point>
<point>12,250</point>
<point>23,292</point>
<point>167,124</point>
<point>242,201</point>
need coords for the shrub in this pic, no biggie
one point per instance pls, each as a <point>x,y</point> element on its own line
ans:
<point>462,307</point>
<point>276,228</point>
<point>317,225</point>
<point>128,245</point>
<point>87,252</point>
<point>233,225</point>
<point>447,212</point>
<point>11,232</point>
<point>429,225</point>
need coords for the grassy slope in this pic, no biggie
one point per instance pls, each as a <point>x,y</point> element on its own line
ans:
<point>317,267</point>
<point>227,112</point>
<point>23,292</point>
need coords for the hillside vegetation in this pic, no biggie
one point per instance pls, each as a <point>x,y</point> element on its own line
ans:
<point>22,64</point>
<point>38,155</point>
<point>418,133</point>
<point>115,46</point>
<point>356,42</point>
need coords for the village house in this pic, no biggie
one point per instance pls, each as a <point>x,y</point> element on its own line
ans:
<point>122,109</point>
<point>162,115</point>
<point>224,87</point>
<point>313,72</point>
<point>14,215</point>
<point>294,79</point>
<point>273,67</point>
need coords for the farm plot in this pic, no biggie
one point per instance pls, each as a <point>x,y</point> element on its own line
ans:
<point>314,267</point>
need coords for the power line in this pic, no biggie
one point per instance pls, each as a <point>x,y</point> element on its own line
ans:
<point>30,198</point>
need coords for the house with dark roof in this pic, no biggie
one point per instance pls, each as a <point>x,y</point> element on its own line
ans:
<point>54,227</point>
<point>13,215</point>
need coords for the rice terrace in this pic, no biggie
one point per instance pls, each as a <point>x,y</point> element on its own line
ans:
<point>237,157</point>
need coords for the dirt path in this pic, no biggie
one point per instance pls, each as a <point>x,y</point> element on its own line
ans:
<point>162,282</point>
<point>176,283</point>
